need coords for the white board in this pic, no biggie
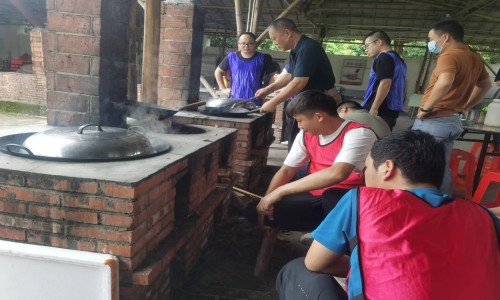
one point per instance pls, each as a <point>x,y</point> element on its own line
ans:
<point>31,272</point>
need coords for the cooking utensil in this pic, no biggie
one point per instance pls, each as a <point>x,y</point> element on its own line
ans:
<point>89,142</point>
<point>138,110</point>
<point>237,112</point>
<point>205,83</point>
<point>222,104</point>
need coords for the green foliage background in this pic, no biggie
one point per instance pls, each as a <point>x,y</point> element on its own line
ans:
<point>356,48</point>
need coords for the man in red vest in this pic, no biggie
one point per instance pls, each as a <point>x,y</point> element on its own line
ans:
<point>333,149</point>
<point>400,237</point>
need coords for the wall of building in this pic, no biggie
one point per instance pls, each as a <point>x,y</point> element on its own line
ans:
<point>24,88</point>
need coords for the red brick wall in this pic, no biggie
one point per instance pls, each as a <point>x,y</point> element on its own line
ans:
<point>181,40</point>
<point>86,61</point>
<point>125,220</point>
<point>25,88</point>
<point>251,146</point>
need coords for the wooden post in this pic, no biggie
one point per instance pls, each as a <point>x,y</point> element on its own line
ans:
<point>152,20</point>
<point>249,15</point>
<point>132,54</point>
<point>398,47</point>
<point>239,21</point>
<point>257,8</point>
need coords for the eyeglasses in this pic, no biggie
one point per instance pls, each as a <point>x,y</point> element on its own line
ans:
<point>368,44</point>
<point>247,44</point>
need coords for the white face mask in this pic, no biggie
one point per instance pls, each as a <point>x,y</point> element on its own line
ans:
<point>433,48</point>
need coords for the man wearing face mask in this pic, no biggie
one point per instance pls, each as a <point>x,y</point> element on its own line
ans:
<point>457,84</point>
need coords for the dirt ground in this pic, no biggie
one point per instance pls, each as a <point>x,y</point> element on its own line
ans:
<point>225,270</point>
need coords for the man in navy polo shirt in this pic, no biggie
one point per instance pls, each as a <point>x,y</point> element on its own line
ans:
<point>310,69</point>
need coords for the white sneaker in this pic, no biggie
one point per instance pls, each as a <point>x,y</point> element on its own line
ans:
<point>284,143</point>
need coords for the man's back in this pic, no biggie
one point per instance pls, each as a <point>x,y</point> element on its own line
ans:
<point>450,251</point>
<point>376,123</point>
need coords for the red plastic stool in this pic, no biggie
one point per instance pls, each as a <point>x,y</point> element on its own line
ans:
<point>463,178</point>
<point>487,179</point>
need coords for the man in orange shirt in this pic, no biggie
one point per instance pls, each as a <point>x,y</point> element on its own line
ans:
<point>457,84</point>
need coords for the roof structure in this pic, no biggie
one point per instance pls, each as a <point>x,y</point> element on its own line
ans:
<point>23,12</point>
<point>403,20</point>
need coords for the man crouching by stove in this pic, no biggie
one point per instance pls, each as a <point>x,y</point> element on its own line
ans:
<point>400,237</point>
<point>335,151</point>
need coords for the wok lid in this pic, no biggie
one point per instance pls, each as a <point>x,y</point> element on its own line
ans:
<point>89,142</point>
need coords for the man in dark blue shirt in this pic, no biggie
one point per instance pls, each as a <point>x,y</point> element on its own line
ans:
<point>310,69</point>
<point>384,96</point>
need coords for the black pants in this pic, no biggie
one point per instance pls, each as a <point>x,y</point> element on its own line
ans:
<point>304,212</point>
<point>292,130</point>
<point>295,282</point>
<point>388,115</point>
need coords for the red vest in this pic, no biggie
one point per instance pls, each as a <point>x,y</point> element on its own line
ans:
<point>411,250</point>
<point>323,156</point>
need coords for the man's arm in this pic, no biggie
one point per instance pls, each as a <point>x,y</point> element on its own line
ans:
<point>292,88</point>
<point>219,73</point>
<point>480,89</point>
<point>283,80</point>
<point>382,92</point>
<point>282,177</point>
<point>440,89</point>
<point>323,260</point>
<point>324,178</point>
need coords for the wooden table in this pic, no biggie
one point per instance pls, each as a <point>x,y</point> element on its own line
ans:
<point>490,135</point>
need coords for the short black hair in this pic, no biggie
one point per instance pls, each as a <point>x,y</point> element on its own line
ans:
<point>418,155</point>
<point>248,33</point>
<point>311,101</point>
<point>284,23</point>
<point>379,35</point>
<point>451,27</point>
<point>349,104</point>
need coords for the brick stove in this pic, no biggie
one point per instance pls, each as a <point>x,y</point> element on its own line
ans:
<point>154,214</point>
<point>254,137</point>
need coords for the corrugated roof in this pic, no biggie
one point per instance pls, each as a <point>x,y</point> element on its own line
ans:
<point>404,20</point>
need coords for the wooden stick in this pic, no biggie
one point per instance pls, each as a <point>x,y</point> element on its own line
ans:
<point>208,86</point>
<point>246,193</point>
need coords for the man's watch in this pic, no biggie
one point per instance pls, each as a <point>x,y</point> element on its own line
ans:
<point>425,110</point>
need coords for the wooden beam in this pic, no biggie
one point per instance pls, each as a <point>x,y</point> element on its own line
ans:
<point>152,18</point>
<point>285,13</point>
<point>27,13</point>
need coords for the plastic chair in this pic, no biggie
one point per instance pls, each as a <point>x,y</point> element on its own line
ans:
<point>487,180</point>
<point>463,178</point>
<point>488,162</point>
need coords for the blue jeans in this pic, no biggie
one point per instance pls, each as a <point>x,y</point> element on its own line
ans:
<point>446,130</point>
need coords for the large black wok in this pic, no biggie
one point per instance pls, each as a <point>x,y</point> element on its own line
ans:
<point>229,108</point>
<point>137,110</point>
